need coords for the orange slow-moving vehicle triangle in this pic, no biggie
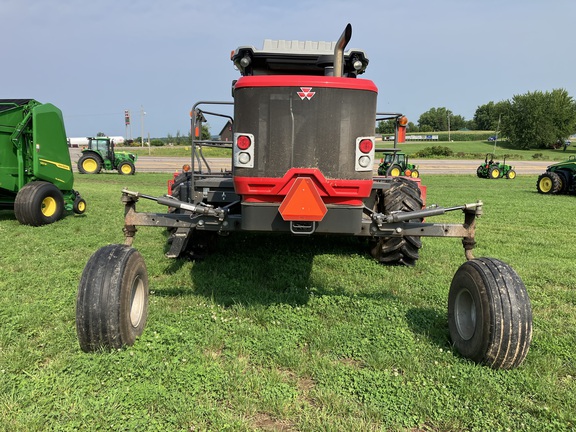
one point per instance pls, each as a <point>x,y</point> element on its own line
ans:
<point>303,202</point>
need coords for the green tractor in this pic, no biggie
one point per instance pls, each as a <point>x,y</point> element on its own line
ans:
<point>36,179</point>
<point>100,155</point>
<point>559,178</point>
<point>394,163</point>
<point>493,170</point>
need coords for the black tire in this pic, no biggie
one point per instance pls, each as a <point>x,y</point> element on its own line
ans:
<point>511,175</point>
<point>394,171</point>
<point>126,168</point>
<point>112,301</point>
<point>403,195</point>
<point>89,164</point>
<point>493,172</point>
<point>489,313</point>
<point>480,172</point>
<point>549,182</point>
<point>564,178</point>
<point>39,203</point>
<point>79,205</point>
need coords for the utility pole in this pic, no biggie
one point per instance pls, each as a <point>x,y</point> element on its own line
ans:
<point>142,114</point>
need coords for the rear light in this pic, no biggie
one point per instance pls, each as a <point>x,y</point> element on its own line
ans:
<point>403,121</point>
<point>364,161</point>
<point>366,146</point>
<point>243,150</point>
<point>243,158</point>
<point>243,142</point>
<point>364,153</point>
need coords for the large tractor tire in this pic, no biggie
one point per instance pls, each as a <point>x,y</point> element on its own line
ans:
<point>89,164</point>
<point>565,178</point>
<point>126,168</point>
<point>112,301</point>
<point>480,172</point>
<point>493,172</point>
<point>549,182</point>
<point>39,203</point>
<point>403,195</point>
<point>489,313</point>
<point>394,171</point>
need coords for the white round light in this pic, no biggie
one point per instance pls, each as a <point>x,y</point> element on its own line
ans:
<point>244,158</point>
<point>364,161</point>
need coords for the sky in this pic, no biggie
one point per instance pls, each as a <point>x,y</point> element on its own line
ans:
<point>95,59</point>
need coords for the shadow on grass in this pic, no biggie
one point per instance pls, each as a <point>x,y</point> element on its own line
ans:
<point>7,215</point>
<point>430,324</point>
<point>266,269</point>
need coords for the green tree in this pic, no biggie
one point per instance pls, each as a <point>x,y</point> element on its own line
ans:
<point>179,140</point>
<point>436,119</point>
<point>206,132</point>
<point>539,120</point>
<point>386,127</point>
<point>487,116</point>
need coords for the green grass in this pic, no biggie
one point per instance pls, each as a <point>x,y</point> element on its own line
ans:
<point>478,150</point>
<point>461,149</point>
<point>283,333</point>
<point>176,151</point>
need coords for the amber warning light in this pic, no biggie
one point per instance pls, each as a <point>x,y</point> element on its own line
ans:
<point>401,130</point>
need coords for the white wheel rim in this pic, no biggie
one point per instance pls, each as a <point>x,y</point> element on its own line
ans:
<point>137,302</point>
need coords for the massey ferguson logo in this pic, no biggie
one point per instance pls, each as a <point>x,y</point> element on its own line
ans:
<point>306,93</point>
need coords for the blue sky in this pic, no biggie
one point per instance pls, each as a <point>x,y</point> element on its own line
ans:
<point>94,59</point>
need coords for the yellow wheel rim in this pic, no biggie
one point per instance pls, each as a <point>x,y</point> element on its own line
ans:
<point>395,172</point>
<point>89,165</point>
<point>414,174</point>
<point>511,175</point>
<point>81,206</point>
<point>494,173</point>
<point>49,206</point>
<point>545,184</point>
<point>126,169</point>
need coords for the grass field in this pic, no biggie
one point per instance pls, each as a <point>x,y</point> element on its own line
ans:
<point>277,333</point>
<point>461,149</point>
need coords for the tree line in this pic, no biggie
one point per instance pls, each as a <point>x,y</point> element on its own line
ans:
<point>531,120</point>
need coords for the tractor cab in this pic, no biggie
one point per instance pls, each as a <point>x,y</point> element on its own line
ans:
<point>100,155</point>
<point>102,145</point>
<point>395,157</point>
<point>395,163</point>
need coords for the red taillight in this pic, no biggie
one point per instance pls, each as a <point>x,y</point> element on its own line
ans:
<point>243,142</point>
<point>365,146</point>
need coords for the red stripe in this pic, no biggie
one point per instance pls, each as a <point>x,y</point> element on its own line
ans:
<point>271,189</point>
<point>306,81</point>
